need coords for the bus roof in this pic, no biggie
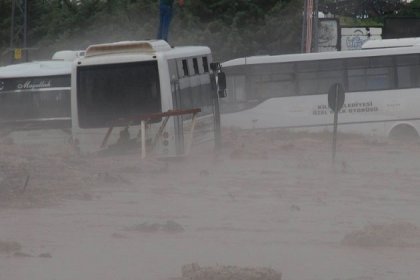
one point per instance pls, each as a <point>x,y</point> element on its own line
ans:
<point>269,59</point>
<point>68,55</point>
<point>391,43</point>
<point>151,46</point>
<point>60,64</point>
<point>130,51</point>
<point>36,69</point>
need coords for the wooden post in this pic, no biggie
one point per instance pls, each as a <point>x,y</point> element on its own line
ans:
<point>190,139</point>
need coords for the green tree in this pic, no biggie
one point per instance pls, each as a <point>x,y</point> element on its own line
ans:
<point>230,28</point>
<point>362,9</point>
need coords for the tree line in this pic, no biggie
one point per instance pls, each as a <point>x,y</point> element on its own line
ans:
<point>231,28</point>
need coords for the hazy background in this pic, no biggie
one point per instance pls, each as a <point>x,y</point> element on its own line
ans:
<point>231,28</point>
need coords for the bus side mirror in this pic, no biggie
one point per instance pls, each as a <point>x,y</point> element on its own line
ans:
<point>221,81</point>
<point>214,66</point>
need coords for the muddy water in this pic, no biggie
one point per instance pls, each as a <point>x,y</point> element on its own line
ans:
<point>268,199</point>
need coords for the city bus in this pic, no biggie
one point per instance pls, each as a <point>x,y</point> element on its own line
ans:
<point>36,95</point>
<point>381,83</point>
<point>127,95</point>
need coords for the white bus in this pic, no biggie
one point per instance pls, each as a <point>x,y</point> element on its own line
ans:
<point>117,85</point>
<point>36,95</point>
<point>382,85</point>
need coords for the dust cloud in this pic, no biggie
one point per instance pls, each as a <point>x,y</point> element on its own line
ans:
<point>269,205</point>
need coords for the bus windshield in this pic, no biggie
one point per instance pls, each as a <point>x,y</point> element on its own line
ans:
<point>112,92</point>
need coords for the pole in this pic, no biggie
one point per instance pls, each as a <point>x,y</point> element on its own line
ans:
<point>25,29</point>
<point>316,22</point>
<point>305,11</point>
<point>309,25</point>
<point>335,125</point>
<point>12,29</point>
<point>335,136</point>
<point>217,124</point>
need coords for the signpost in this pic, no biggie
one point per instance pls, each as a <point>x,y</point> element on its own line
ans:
<point>18,54</point>
<point>335,102</point>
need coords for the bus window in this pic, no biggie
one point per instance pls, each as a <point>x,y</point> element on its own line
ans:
<point>281,67</point>
<point>356,73</point>
<point>356,79</point>
<point>406,67</point>
<point>39,98</point>
<point>357,63</point>
<point>379,78</point>
<point>328,78</point>
<point>404,77</point>
<point>307,83</point>
<point>330,72</point>
<point>282,80</point>
<point>375,73</point>
<point>205,64</point>
<point>307,78</point>
<point>281,85</point>
<point>107,93</point>
<point>259,69</point>
<point>180,68</point>
<point>307,66</point>
<point>380,74</point>
<point>190,67</point>
<point>195,65</point>
<point>329,65</point>
<point>381,61</point>
<point>185,68</point>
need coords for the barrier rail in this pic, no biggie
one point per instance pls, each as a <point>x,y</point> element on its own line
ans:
<point>146,118</point>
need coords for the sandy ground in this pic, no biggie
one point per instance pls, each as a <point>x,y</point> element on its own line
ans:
<point>268,199</point>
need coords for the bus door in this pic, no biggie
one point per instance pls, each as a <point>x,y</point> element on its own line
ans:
<point>177,105</point>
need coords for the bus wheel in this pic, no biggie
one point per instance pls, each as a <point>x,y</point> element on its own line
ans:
<point>404,132</point>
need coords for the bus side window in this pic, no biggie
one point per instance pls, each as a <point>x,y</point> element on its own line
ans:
<point>357,73</point>
<point>380,74</point>
<point>185,67</point>
<point>406,67</point>
<point>180,67</point>
<point>190,67</point>
<point>307,78</point>
<point>205,64</point>
<point>236,88</point>
<point>195,65</point>
<point>283,80</point>
<point>330,72</point>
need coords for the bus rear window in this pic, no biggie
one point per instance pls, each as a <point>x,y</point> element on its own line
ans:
<point>34,105</point>
<point>116,92</point>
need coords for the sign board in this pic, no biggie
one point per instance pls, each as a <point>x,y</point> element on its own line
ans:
<point>336,97</point>
<point>18,54</point>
